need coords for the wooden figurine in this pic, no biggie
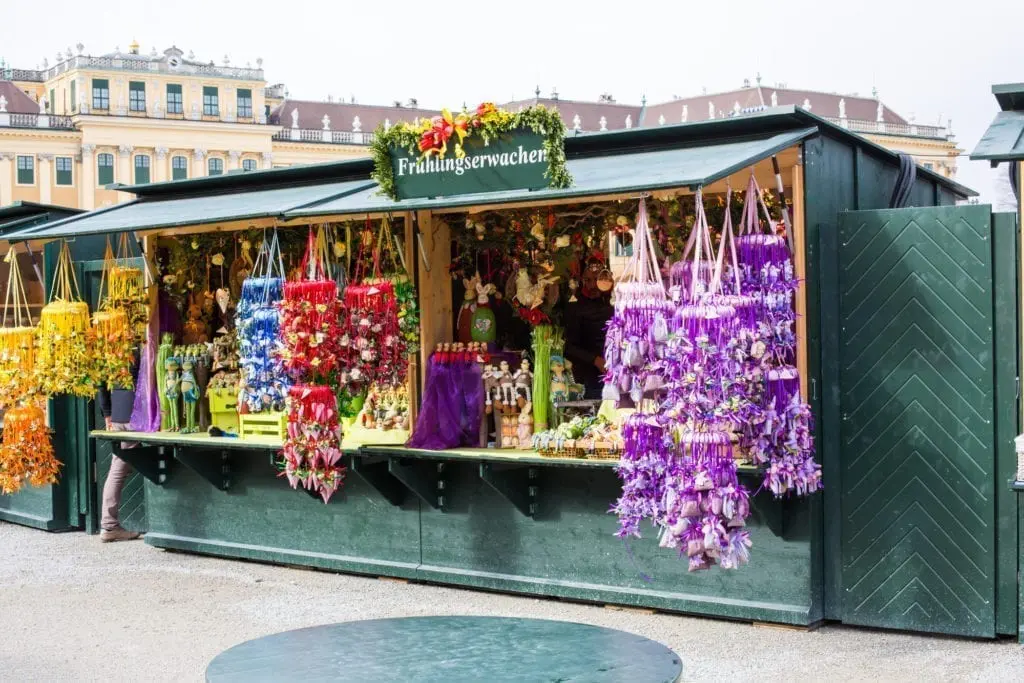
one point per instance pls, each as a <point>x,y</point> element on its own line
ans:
<point>507,385</point>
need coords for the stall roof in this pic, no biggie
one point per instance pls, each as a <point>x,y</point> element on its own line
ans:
<point>1009,95</point>
<point>21,215</point>
<point>1004,139</point>
<point>146,214</point>
<point>616,162</point>
<point>596,175</point>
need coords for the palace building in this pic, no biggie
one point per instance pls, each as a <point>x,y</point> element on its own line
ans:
<point>72,130</point>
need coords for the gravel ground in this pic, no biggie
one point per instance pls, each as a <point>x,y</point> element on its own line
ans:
<point>72,608</point>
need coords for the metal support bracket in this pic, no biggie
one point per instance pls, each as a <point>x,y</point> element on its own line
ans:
<point>517,484</point>
<point>375,471</point>
<point>149,461</point>
<point>213,466</point>
<point>423,477</point>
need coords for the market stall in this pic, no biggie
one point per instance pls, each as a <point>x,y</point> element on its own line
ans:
<point>433,369</point>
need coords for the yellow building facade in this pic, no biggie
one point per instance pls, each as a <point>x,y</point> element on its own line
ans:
<point>70,130</point>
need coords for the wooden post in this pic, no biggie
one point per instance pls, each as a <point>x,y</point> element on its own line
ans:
<point>435,291</point>
<point>800,269</point>
<point>409,253</point>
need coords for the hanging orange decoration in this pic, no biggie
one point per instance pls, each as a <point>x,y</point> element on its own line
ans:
<point>26,454</point>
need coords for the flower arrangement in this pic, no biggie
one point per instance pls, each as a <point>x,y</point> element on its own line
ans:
<point>431,137</point>
<point>26,453</point>
<point>112,342</point>
<point>312,451</point>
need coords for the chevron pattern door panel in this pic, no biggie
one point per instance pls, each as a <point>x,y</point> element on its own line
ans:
<point>917,435</point>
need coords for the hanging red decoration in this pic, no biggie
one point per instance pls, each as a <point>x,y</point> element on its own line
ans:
<point>312,451</point>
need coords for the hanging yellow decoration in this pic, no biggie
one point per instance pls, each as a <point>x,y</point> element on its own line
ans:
<point>26,454</point>
<point>120,323</point>
<point>63,360</point>
<point>17,343</point>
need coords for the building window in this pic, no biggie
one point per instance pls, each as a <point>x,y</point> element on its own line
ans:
<point>26,170</point>
<point>100,93</point>
<point>104,169</point>
<point>141,169</point>
<point>248,164</point>
<point>216,167</point>
<point>929,165</point>
<point>174,102</point>
<point>74,96</point>
<point>64,172</point>
<point>211,101</point>
<point>244,103</point>
<point>51,104</point>
<point>179,168</point>
<point>136,96</point>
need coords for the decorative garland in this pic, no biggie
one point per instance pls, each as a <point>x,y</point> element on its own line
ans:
<point>312,451</point>
<point>429,137</point>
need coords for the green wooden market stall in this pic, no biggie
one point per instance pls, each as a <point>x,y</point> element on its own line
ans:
<point>904,534</point>
<point>1002,147</point>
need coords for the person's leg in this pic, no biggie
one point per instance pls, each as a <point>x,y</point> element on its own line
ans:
<point>109,523</point>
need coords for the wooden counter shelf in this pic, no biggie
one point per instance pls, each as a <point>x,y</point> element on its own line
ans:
<point>394,471</point>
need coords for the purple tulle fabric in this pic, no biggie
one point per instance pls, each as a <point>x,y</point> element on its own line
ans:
<point>452,407</point>
<point>146,410</point>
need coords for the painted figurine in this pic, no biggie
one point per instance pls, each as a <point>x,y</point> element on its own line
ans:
<point>189,394</point>
<point>164,352</point>
<point>559,382</point>
<point>172,392</point>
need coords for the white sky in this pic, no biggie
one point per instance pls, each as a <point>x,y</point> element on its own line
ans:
<point>926,58</point>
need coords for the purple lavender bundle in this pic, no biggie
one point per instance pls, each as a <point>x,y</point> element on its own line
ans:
<point>705,505</point>
<point>783,440</point>
<point>645,462</point>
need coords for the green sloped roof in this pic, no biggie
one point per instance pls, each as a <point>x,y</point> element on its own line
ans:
<point>21,215</point>
<point>1010,96</point>
<point>1004,139</point>
<point>147,214</point>
<point>596,175</point>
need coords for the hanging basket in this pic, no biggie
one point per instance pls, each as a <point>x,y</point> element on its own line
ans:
<point>639,329</point>
<point>311,337</point>
<point>26,453</point>
<point>258,323</point>
<point>378,349</point>
<point>18,342</point>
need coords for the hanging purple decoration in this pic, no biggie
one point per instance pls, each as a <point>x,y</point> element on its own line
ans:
<point>637,334</point>
<point>646,458</point>
<point>705,516</point>
<point>780,435</point>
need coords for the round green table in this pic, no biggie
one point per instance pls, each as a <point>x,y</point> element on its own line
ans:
<point>449,650</point>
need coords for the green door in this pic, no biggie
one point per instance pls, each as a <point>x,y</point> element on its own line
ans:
<point>917,399</point>
<point>132,513</point>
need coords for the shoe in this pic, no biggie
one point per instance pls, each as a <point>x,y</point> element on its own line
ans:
<point>111,535</point>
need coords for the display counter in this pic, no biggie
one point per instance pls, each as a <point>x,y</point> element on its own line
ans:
<point>511,521</point>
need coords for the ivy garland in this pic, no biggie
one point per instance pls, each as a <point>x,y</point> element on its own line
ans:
<point>431,136</point>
